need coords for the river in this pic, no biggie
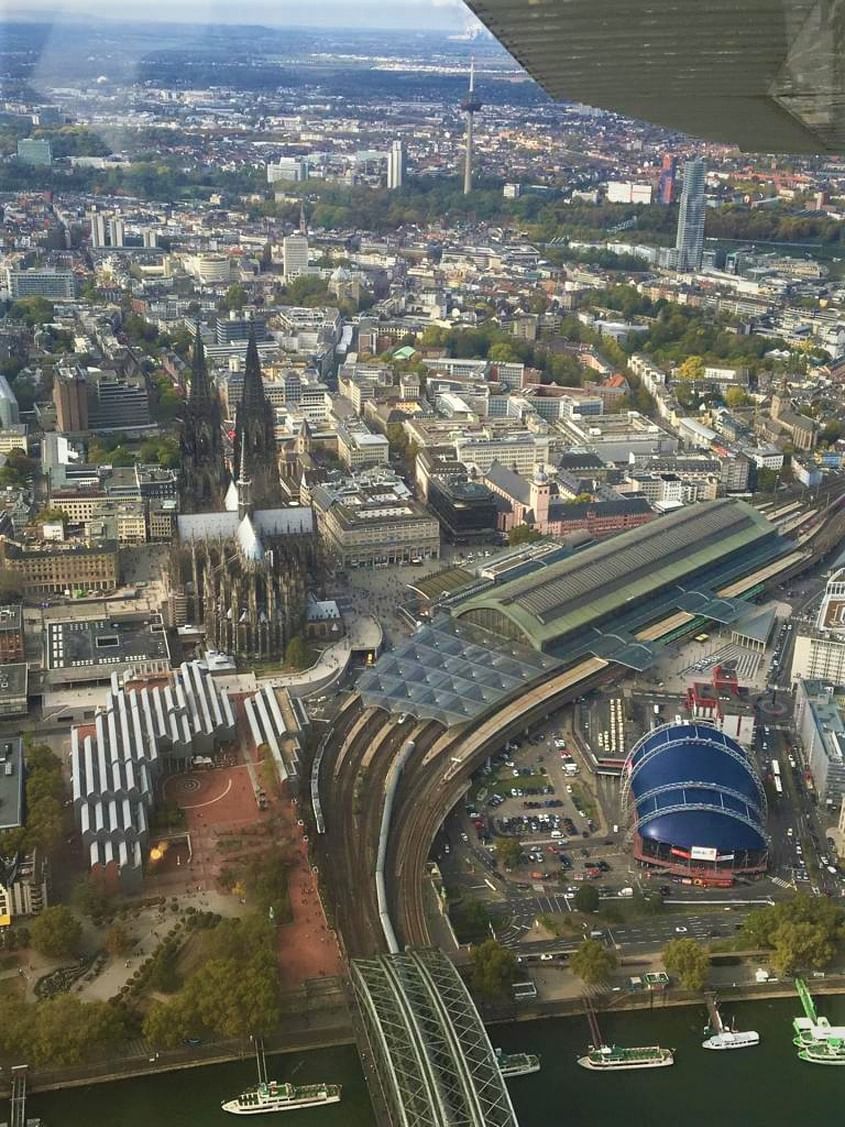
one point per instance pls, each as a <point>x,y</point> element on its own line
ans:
<point>765,1086</point>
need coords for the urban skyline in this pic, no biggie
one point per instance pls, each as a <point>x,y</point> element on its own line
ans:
<point>422,591</point>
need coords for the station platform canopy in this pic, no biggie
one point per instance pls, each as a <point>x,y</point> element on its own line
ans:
<point>451,672</point>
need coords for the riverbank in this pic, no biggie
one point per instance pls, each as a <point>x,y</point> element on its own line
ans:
<point>301,1040</point>
<point>333,1033</point>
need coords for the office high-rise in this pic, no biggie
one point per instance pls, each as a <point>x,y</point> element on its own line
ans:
<point>70,396</point>
<point>395,165</point>
<point>98,230</point>
<point>116,232</point>
<point>689,244</point>
<point>295,249</point>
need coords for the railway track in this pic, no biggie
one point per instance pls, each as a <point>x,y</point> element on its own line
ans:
<point>366,741</point>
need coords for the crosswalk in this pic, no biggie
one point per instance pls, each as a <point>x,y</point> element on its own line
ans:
<point>781,883</point>
<point>746,662</point>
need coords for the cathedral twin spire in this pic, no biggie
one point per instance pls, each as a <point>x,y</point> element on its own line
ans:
<point>204,477</point>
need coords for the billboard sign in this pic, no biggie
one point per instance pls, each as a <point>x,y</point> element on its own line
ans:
<point>700,853</point>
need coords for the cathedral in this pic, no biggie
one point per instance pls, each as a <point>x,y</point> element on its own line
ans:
<point>246,564</point>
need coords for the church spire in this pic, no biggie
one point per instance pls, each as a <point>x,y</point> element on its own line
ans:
<point>244,485</point>
<point>201,440</point>
<point>253,393</point>
<point>255,457</point>
<point>200,386</point>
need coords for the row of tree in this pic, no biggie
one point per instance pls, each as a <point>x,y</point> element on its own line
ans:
<point>801,933</point>
<point>45,792</point>
<point>233,992</point>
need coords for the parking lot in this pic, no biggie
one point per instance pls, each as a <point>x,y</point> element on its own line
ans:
<point>536,792</point>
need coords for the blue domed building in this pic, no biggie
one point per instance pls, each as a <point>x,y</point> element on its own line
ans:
<point>698,802</point>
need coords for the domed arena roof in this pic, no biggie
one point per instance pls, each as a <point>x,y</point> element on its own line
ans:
<point>694,786</point>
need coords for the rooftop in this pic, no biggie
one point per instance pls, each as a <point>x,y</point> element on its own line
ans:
<point>120,641</point>
<point>10,618</point>
<point>543,607</point>
<point>11,782</point>
<point>13,681</point>
<point>451,672</point>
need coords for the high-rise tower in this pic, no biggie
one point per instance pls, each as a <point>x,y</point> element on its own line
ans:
<point>395,165</point>
<point>201,441</point>
<point>470,105</point>
<point>689,244</point>
<point>255,458</point>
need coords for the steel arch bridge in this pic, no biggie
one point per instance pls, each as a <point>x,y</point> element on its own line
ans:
<point>431,1053</point>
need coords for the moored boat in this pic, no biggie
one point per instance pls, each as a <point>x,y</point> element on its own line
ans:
<point>275,1096</point>
<point>732,1039</point>
<point>517,1064</point>
<point>817,1041</point>
<point>607,1058</point>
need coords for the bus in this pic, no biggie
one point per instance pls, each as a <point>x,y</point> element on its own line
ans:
<point>776,768</point>
<point>778,785</point>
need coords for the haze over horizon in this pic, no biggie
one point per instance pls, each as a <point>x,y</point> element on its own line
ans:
<point>445,15</point>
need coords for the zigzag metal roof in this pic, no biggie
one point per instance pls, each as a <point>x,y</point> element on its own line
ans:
<point>451,673</point>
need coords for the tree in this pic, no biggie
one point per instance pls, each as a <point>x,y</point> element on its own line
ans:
<point>592,962</point>
<point>49,515</point>
<point>235,298</point>
<point>65,1029</point>
<point>691,369</point>
<point>493,969</point>
<point>18,469</point>
<point>736,397</point>
<point>471,921</point>
<point>522,534</point>
<point>502,353</point>
<point>397,438</point>
<point>234,997</point>
<point>587,898</point>
<point>689,961</point>
<point>307,289</point>
<point>766,480</point>
<point>33,310</point>
<point>167,1024</point>
<point>118,940</point>
<point>831,432</point>
<point>801,945</point>
<point>298,653</point>
<point>91,898</point>
<point>802,931</point>
<point>509,852</point>
<point>56,933</point>
<point>45,792</point>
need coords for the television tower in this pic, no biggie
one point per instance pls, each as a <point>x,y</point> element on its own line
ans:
<point>470,105</point>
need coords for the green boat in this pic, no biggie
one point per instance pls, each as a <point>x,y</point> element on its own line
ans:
<point>817,1041</point>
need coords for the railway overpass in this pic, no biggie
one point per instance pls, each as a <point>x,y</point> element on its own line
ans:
<point>430,1052</point>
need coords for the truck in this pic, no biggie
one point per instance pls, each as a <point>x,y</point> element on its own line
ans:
<point>626,893</point>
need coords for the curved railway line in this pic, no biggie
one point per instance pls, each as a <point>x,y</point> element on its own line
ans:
<point>364,742</point>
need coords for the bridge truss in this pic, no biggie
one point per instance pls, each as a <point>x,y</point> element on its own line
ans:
<point>431,1053</point>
